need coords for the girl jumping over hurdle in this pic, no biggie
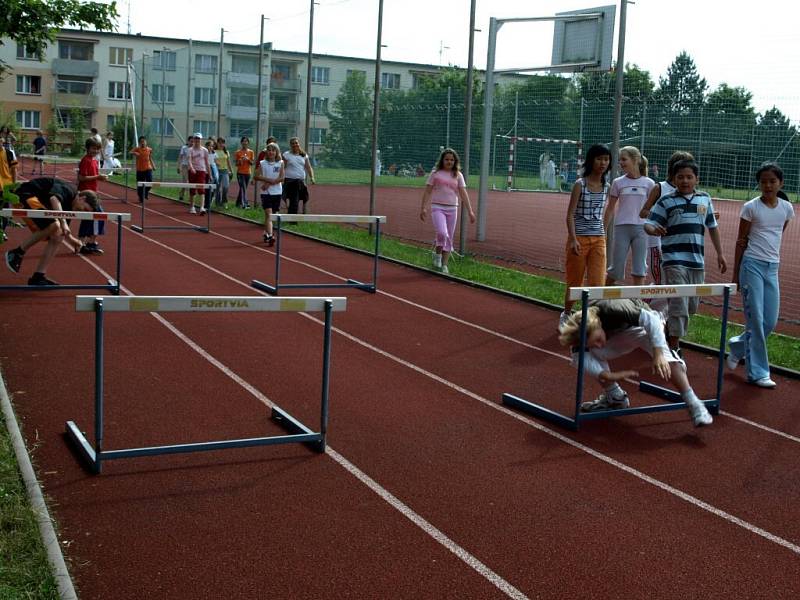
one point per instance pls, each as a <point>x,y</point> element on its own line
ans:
<point>444,188</point>
<point>615,328</point>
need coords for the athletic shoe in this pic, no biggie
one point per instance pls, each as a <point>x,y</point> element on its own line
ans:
<point>437,260</point>
<point>677,352</point>
<point>445,270</point>
<point>192,210</point>
<point>699,412</point>
<point>85,249</point>
<point>765,382</point>
<point>606,402</point>
<point>14,259</point>
<point>732,361</point>
<point>95,248</point>
<point>202,211</point>
<point>563,318</point>
<point>40,279</point>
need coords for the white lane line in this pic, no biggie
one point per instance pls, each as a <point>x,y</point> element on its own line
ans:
<point>455,319</point>
<point>693,500</point>
<point>405,510</point>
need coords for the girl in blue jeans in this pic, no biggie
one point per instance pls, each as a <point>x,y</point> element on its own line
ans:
<point>761,225</point>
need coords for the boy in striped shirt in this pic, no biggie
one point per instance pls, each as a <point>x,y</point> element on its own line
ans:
<point>680,219</point>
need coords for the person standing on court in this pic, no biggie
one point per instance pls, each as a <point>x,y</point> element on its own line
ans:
<point>39,150</point>
<point>199,167</point>
<point>48,193</point>
<point>95,135</point>
<point>144,167</point>
<point>224,170</point>
<point>183,164</point>
<point>627,196</point>
<point>681,219</point>
<point>586,234</point>
<point>271,173</point>
<point>88,179</point>
<point>296,166</point>
<point>244,158</point>
<point>107,160</point>
<point>755,269</point>
<point>444,188</point>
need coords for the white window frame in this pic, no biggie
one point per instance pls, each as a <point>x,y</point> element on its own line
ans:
<point>317,135</point>
<point>76,43</point>
<point>321,75</point>
<point>207,128</point>
<point>319,105</point>
<point>205,63</point>
<point>156,96</point>
<point>207,96</point>
<point>171,60</point>
<point>119,90</point>
<point>29,119</point>
<point>155,123</point>
<point>22,88</point>
<point>246,59</point>
<point>114,53</point>
<point>390,81</point>
<point>27,53</point>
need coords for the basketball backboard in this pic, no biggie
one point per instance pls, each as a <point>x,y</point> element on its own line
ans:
<point>583,40</point>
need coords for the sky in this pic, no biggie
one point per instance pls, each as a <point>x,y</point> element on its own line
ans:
<point>754,45</point>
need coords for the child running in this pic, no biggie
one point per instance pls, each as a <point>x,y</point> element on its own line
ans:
<point>755,268</point>
<point>444,187</point>
<point>681,218</point>
<point>631,190</point>
<point>271,172</point>
<point>586,235</point>
<point>615,328</point>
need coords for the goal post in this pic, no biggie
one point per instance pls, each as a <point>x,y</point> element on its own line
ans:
<point>553,160</point>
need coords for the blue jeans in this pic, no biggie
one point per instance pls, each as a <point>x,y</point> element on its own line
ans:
<point>758,281</point>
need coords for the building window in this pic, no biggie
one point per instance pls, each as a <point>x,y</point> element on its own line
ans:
<point>74,84</point>
<point>168,91</point>
<point>247,97</point>
<point>111,120</point>
<point>120,56</point>
<point>279,132</point>
<point>320,75</point>
<point>281,71</point>
<point>29,84</point>
<point>242,128</point>
<point>205,63</point>
<point>28,119</point>
<point>244,63</point>
<point>204,96</point>
<point>164,125</point>
<point>316,135</point>
<point>164,59</point>
<point>319,106</point>
<point>390,81</point>
<point>357,71</point>
<point>27,53</point>
<point>73,50</point>
<point>118,90</point>
<point>65,118</point>
<point>206,128</point>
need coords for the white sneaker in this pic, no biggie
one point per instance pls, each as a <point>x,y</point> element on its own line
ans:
<point>445,270</point>
<point>765,382</point>
<point>202,211</point>
<point>437,260</point>
<point>606,402</point>
<point>192,211</point>
<point>562,320</point>
<point>699,413</point>
<point>732,361</point>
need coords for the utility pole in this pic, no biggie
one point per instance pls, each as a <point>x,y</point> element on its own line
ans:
<point>376,106</point>
<point>462,232</point>
<point>219,80</point>
<point>308,74</point>
<point>161,57</point>
<point>259,101</point>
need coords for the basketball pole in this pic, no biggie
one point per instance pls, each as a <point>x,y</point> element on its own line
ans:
<point>462,241</point>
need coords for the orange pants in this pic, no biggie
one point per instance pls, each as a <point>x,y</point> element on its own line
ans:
<point>589,263</point>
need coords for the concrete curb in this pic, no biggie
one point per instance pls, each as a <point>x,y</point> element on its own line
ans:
<point>66,590</point>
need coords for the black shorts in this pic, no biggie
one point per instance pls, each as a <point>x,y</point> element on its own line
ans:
<point>37,224</point>
<point>271,201</point>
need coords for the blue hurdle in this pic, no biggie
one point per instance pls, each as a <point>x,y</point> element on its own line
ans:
<point>170,184</point>
<point>351,283</point>
<point>675,402</point>
<point>113,284</point>
<point>95,454</point>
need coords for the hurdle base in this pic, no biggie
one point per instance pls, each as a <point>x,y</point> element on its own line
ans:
<point>112,286</point>
<point>264,287</point>
<point>367,287</point>
<point>139,229</point>
<point>540,411</point>
<point>82,446</point>
<point>351,283</point>
<point>293,426</point>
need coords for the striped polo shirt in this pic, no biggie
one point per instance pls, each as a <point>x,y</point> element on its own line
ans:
<point>589,211</point>
<point>685,220</point>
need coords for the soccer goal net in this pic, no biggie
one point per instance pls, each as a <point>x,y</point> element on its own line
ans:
<point>538,164</point>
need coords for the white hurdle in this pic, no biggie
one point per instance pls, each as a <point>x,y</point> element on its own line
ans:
<point>279,219</point>
<point>179,185</point>
<point>95,454</point>
<point>673,398</point>
<point>113,284</point>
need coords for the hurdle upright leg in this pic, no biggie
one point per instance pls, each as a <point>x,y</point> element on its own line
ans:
<point>326,365</point>
<point>116,286</point>
<point>723,340</point>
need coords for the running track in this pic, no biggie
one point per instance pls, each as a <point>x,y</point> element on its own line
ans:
<point>429,489</point>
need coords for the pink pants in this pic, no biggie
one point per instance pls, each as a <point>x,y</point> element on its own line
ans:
<point>444,222</point>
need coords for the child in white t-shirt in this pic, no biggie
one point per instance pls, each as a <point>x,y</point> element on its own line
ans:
<point>271,173</point>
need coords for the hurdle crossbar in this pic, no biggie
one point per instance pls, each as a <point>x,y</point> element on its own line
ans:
<point>52,159</point>
<point>93,454</point>
<point>673,398</point>
<point>113,285</point>
<point>371,287</point>
<point>180,185</point>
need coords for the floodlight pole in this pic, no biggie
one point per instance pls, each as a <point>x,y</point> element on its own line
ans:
<point>219,80</point>
<point>308,73</point>
<point>376,104</point>
<point>462,235</point>
<point>494,27</point>
<point>619,88</point>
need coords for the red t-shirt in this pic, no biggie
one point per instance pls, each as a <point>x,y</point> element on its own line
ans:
<point>88,167</point>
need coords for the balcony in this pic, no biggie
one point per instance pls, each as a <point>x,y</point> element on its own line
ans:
<point>241,79</point>
<point>286,84</point>
<point>284,116</point>
<point>65,100</point>
<point>80,68</point>
<point>242,113</point>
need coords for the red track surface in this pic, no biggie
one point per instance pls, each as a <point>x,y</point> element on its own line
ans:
<point>645,507</point>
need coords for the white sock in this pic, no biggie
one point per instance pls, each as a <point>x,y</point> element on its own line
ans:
<point>615,391</point>
<point>690,397</point>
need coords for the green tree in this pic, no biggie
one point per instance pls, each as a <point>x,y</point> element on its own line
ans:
<point>35,23</point>
<point>349,139</point>
<point>78,124</point>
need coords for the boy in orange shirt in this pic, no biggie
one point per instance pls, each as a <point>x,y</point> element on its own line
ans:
<point>244,158</point>
<point>144,167</point>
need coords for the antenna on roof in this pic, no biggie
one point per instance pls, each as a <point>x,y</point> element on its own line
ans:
<point>129,17</point>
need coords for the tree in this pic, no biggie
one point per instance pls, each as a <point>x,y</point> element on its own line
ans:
<point>682,89</point>
<point>35,23</point>
<point>349,139</point>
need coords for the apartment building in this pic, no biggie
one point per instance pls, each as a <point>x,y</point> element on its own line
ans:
<point>177,86</point>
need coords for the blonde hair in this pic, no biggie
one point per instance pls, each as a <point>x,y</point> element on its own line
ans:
<point>633,153</point>
<point>274,146</point>
<point>569,332</point>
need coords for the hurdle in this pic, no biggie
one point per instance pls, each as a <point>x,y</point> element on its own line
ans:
<point>94,454</point>
<point>54,159</point>
<point>113,284</point>
<point>171,184</point>
<point>108,171</point>
<point>675,402</point>
<point>371,287</point>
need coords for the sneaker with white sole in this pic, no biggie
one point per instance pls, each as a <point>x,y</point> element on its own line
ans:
<point>732,361</point>
<point>606,402</point>
<point>192,211</point>
<point>437,260</point>
<point>765,382</point>
<point>699,413</point>
<point>445,270</point>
